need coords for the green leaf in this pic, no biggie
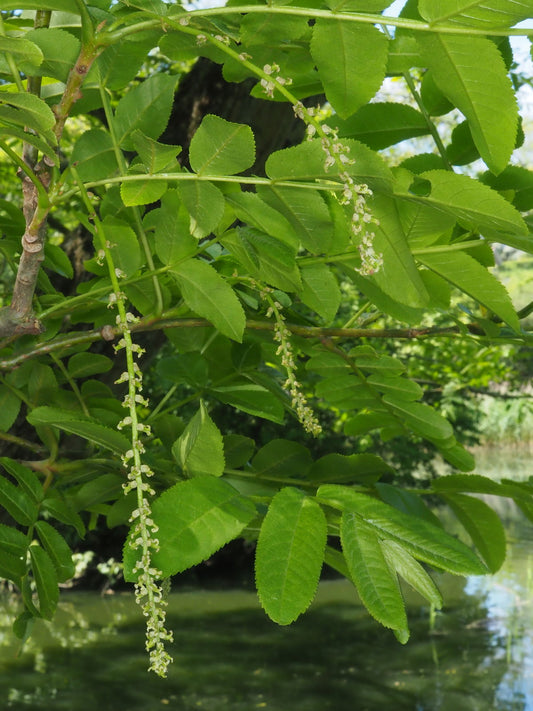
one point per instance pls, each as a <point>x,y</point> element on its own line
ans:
<point>328,364</point>
<point>58,550</point>
<point>475,206</point>
<point>77,424</point>
<point>14,543</point>
<point>346,392</point>
<point>142,192</point>
<point>411,571</point>
<point>376,584</point>
<point>185,368</point>
<point>11,567</point>
<point>94,155</point>
<point>487,14</point>
<point>306,211</point>
<point>251,398</point>
<point>396,386</point>
<point>81,365</point>
<point>406,501</point>
<point>19,504</point>
<point>24,51</point>
<point>516,183</point>
<point>383,124</point>
<point>362,469</point>
<point>367,422</point>
<point>26,110</point>
<point>265,257</point>
<point>472,483</point>
<point>155,156</point>
<point>205,204</point>
<point>59,49</point>
<point>200,449</point>
<point>195,519</point>
<point>62,510</point>
<point>208,294</point>
<point>351,61</point>
<point>253,211</point>
<point>289,555</point>
<point>9,408</point>
<point>422,539</point>
<point>484,527</point>
<point>26,479</point>
<point>69,6</point>
<point>473,278</point>
<point>320,291</point>
<point>238,450</point>
<point>471,73</point>
<point>399,277</point>
<point>45,577</point>
<point>107,487</point>
<point>220,147</point>
<point>459,457</point>
<point>170,222</point>
<point>421,418</point>
<point>125,248</point>
<point>306,161</point>
<point>41,145</point>
<point>146,107</point>
<point>281,458</point>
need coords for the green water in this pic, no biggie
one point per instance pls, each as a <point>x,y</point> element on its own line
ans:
<point>229,657</point>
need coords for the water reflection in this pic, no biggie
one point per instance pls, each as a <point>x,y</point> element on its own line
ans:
<point>477,656</point>
<point>229,656</point>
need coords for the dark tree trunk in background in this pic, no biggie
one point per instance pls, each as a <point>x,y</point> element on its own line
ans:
<point>204,91</point>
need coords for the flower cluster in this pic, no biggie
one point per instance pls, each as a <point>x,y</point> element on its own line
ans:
<point>149,594</point>
<point>291,385</point>
<point>273,75</point>
<point>337,153</point>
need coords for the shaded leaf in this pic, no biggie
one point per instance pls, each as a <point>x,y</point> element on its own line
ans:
<point>77,424</point>
<point>209,295</point>
<point>58,550</point>
<point>45,577</point>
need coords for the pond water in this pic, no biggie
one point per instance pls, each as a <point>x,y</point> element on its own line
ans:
<point>475,655</point>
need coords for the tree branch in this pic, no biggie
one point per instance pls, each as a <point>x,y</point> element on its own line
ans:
<point>110,333</point>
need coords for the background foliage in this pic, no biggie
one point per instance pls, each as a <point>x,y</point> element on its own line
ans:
<point>205,190</point>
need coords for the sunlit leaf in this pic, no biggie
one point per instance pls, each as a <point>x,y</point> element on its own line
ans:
<point>289,555</point>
